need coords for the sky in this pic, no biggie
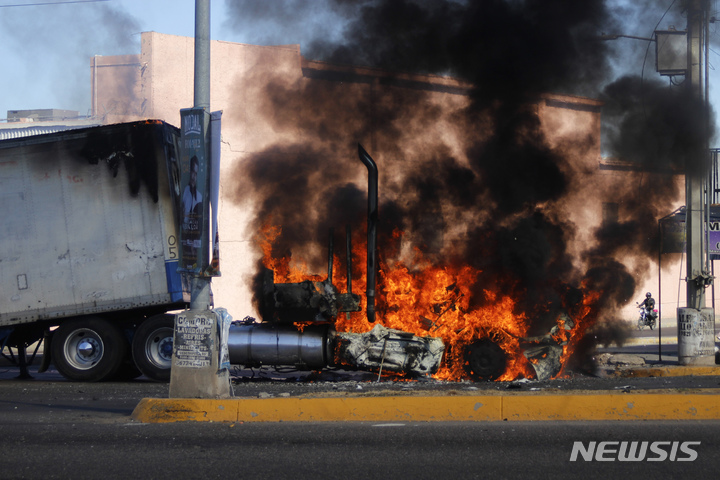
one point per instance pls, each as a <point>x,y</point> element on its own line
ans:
<point>46,48</point>
<point>47,45</point>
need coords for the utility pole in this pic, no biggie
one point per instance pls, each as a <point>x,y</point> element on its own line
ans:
<point>696,324</point>
<point>200,286</point>
<point>200,341</point>
<point>694,178</point>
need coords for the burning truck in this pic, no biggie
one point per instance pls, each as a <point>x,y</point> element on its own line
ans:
<point>299,318</point>
<point>423,326</point>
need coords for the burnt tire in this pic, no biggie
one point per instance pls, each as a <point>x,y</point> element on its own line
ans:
<point>152,347</point>
<point>485,360</point>
<point>88,349</point>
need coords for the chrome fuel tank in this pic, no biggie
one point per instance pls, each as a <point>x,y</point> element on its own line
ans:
<point>269,344</point>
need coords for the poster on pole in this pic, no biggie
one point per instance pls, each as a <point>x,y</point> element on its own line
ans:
<point>213,269</point>
<point>194,184</point>
<point>673,231</point>
<point>714,240</point>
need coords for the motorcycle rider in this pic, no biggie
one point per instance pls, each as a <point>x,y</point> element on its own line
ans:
<point>649,305</point>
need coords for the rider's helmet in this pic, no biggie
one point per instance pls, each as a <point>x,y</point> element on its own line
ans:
<point>648,295</point>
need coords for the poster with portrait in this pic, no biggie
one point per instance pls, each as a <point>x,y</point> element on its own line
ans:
<point>194,183</point>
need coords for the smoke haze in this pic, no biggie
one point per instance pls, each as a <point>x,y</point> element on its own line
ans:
<point>493,193</point>
<point>494,197</point>
<point>48,49</point>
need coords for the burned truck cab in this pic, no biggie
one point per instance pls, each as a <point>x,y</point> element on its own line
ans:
<point>299,319</point>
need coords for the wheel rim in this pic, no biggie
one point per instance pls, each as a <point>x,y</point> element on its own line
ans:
<point>485,359</point>
<point>83,349</point>
<point>159,347</point>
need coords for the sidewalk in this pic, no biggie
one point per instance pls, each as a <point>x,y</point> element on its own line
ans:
<point>640,380</point>
<point>658,389</point>
<point>674,398</point>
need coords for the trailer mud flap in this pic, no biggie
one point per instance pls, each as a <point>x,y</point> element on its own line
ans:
<point>46,357</point>
<point>174,281</point>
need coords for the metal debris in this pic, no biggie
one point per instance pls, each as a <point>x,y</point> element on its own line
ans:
<point>545,351</point>
<point>393,350</point>
<point>545,360</point>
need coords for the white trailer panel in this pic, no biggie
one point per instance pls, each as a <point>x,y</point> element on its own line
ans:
<point>87,222</point>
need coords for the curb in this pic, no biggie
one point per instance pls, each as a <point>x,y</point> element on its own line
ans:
<point>531,407</point>
<point>670,371</point>
<point>649,341</point>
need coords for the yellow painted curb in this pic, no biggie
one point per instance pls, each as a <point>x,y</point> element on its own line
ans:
<point>617,406</point>
<point>674,371</point>
<point>601,406</point>
<point>157,410</point>
<point>161,410</point>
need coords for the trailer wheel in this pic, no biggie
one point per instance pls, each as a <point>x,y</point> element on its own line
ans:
<point>152,347</point>
<point>88,350</point>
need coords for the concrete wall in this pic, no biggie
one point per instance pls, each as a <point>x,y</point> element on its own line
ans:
<point>115,82</point>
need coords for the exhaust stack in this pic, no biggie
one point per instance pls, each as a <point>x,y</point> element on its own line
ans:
<point>371,230</point>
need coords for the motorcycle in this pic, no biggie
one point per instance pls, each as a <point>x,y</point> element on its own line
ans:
<point>648,318</point>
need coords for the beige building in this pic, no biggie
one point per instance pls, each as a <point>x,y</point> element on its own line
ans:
<point>273,95</point>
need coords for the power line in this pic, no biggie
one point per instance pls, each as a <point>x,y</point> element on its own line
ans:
<point>51,3</point>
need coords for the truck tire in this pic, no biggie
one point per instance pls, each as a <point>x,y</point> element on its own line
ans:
<point>485,360</point>
<point>152,347</point>
<point>88,349</point>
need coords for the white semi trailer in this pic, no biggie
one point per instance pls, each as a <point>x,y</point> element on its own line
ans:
<point>89,249</point>
<point>89,267</point>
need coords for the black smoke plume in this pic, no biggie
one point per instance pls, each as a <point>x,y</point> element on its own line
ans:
<point>501,197</point>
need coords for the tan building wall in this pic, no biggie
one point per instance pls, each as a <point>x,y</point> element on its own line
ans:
<point>272,95</point>
<point>117,79</point>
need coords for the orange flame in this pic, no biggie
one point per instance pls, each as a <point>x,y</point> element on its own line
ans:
<point>427,300</point>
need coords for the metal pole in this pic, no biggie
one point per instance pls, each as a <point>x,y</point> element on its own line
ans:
<point>693,177</point>
<point>202,54</point>
<point>94,89</point>
<point>372,230</point>
<point>660,309</point>
<point>331,253</point>
<point>348,254</point>
<point>200,293</point>
<point>696,324</point>
<point>207,379</point>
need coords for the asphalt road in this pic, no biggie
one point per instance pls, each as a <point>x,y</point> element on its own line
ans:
<point>115,448</point>
<point>53,428</point>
